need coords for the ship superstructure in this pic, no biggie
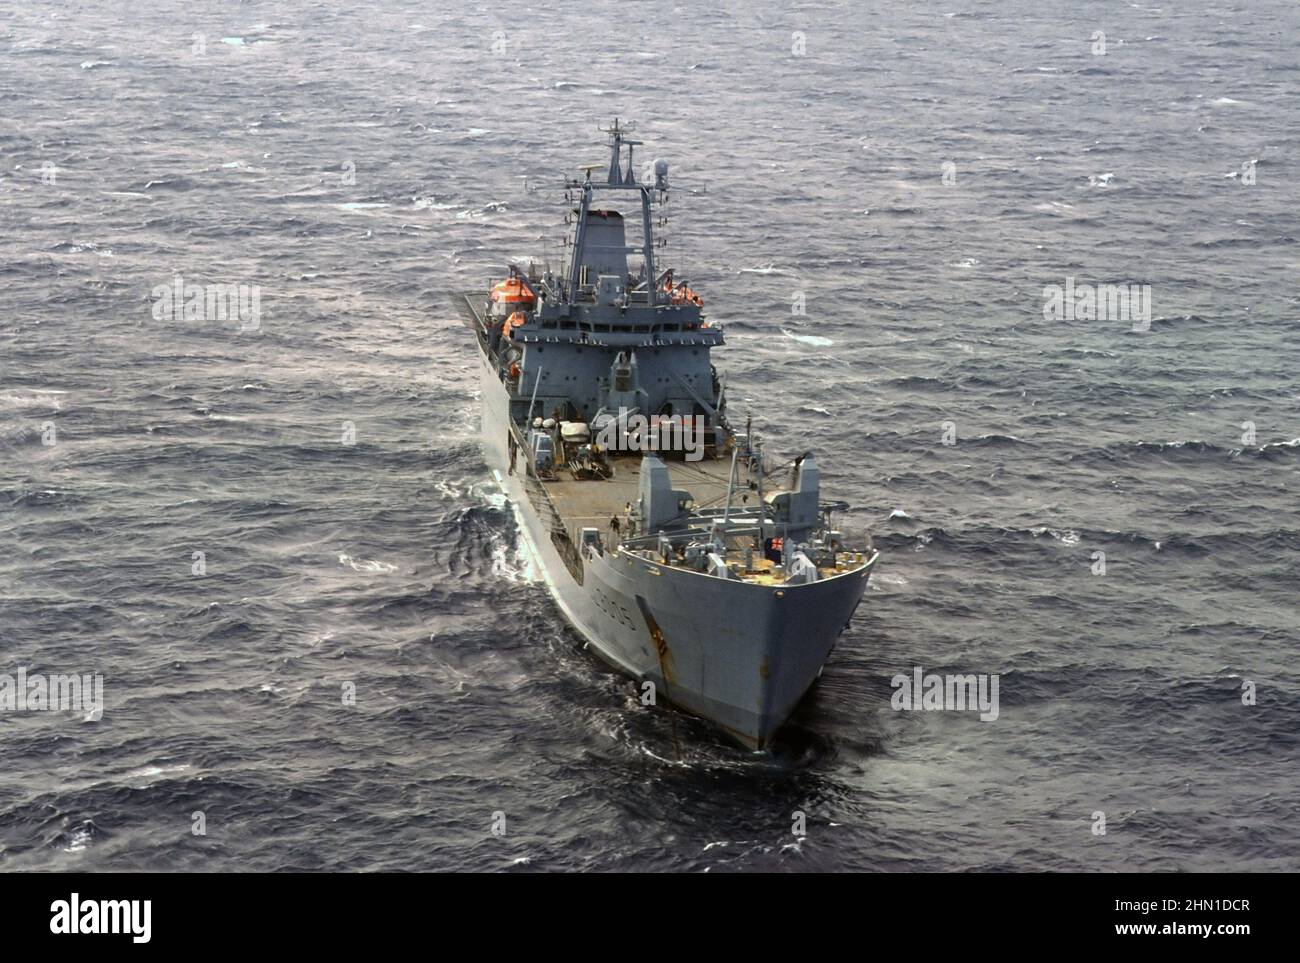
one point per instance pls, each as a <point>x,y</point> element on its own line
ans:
<point>672,545</point>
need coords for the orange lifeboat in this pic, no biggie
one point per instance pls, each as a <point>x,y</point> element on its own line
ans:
<point>682,294</point>
<point>511,295</point>
<point>515,320</point>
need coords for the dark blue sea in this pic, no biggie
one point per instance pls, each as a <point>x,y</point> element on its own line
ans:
<point>916,176</point>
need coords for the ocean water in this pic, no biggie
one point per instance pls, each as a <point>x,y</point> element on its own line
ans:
<point>918,177</point>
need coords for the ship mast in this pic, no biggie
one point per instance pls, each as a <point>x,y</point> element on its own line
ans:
<point>621,177</point>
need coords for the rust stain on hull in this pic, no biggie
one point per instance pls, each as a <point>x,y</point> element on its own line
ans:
<point>661,644</point>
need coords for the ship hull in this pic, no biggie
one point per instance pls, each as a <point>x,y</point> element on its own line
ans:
<point>736,654</point>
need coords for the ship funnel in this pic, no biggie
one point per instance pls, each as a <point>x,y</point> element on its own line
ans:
<point>604,248</point>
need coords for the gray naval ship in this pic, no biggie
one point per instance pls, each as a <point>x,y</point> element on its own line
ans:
<point>682,556</point>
